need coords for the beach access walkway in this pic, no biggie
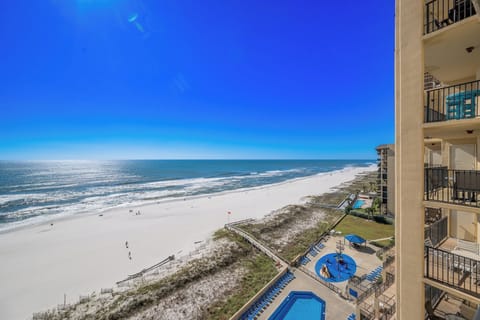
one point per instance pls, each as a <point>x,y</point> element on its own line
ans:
<point>144,271</point>
<point>256,243</point>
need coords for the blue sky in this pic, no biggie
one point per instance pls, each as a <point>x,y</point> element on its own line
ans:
<point>140,79</point>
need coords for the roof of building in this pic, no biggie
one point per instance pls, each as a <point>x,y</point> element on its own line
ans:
<point>385,146</point>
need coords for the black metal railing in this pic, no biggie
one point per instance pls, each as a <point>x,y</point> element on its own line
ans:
<point>387,283</point>
<point>382,176</point>
<point>366,311</point>
<point>388,312</point>
<point>452,186</point>
<point>432,215</point>
<point>442,13</point>
<point>388,261</point>
<point>376,288</point>
<point>453,102</point>
<point>437,231</point>
<point>457,271</point>
<point>433,295</point>
<point>388,307</point>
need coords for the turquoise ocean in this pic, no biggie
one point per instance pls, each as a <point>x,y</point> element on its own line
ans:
<point>35,191</point>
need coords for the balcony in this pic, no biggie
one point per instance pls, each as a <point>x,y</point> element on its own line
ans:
<point>460,187</point>
<point>449,306</point>
<point>382,177</point>
<point>436,232</point>
<point>459,269</point>
<point>453,103</point>
<point>442,13</point>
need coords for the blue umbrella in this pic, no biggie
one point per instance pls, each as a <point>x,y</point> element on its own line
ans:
<point>353,238</point>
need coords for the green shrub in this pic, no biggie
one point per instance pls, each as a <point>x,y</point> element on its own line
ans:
<point>382,219</point>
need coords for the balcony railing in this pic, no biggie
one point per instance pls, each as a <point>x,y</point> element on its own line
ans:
<point>437,231</point>
<point>452,186</point>
<point>366,311</point>
<point>442,13</point>
<point>389,307</point>
<point>433,294</point>
<point>453,103</point>
<point>457,271</point>
<point>382,176</point>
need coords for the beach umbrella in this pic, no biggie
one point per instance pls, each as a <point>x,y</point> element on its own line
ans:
<point>353,238</point>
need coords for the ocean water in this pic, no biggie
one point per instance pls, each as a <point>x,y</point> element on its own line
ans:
<point>35,191</point>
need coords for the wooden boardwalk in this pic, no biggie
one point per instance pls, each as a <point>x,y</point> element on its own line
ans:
<point>257,244</point>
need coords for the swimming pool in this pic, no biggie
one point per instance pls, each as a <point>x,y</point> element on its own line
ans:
<point>300,305</point>
<point>358,204</point>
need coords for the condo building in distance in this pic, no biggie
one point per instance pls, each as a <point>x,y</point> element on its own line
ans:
<point>386,178</point>
<point>437,165</point>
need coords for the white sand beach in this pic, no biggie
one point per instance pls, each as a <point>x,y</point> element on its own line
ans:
<point>42,263</point>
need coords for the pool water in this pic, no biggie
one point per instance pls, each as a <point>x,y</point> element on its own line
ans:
<point>300,305</point>
<point>358,204</point>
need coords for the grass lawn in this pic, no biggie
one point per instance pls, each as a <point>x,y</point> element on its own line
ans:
<point>367,229</point>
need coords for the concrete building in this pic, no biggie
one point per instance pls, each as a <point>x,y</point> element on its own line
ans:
<point>437,165</point>
<point>386,178</point>
<point>430,82</point>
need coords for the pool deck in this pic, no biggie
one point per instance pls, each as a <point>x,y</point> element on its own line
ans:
<point>364,257</point>
<point>336,307</point>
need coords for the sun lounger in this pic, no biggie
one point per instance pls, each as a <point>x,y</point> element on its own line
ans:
<point>375,274</point>
<point>313,252</point>
<point>267,298</point>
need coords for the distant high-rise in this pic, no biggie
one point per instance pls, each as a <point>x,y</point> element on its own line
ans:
<point>386,178</point>
<point>437,165</point>
<point>430,81</point>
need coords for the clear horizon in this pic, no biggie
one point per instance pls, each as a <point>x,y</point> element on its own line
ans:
<point>193,159</point>
<point>131,79</point>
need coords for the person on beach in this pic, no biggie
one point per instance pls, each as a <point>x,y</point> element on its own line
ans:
<point>126,244</point>
<point>129,255</point>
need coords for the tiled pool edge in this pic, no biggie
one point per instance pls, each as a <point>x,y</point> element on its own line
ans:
<point>287,303</point>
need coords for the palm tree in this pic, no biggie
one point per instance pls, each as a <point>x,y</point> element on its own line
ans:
<point>369,211</point>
